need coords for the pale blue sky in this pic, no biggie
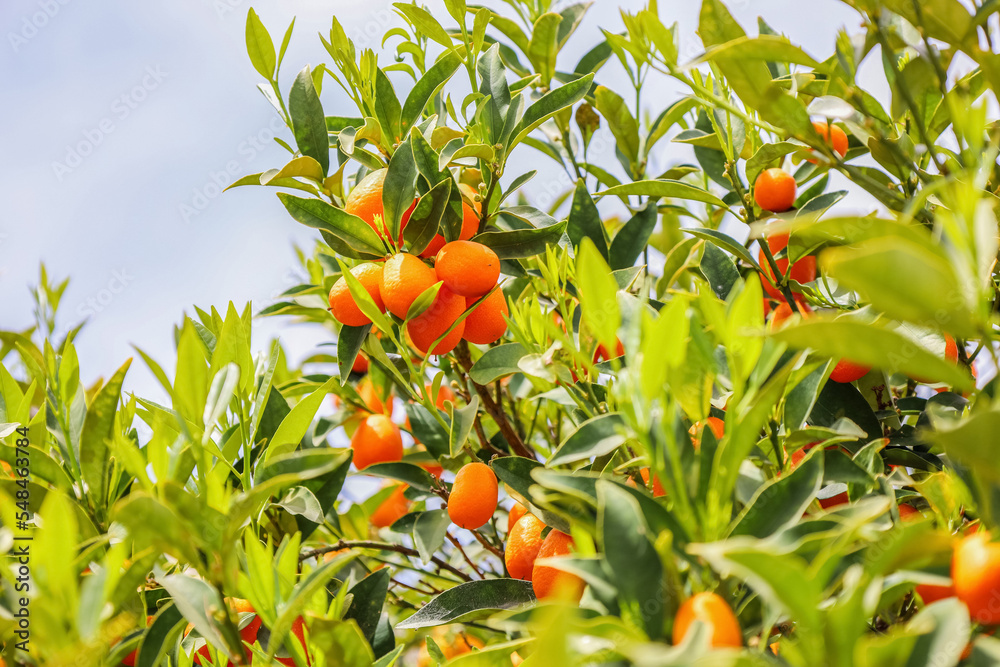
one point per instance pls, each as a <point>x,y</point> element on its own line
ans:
<point>167,97</point>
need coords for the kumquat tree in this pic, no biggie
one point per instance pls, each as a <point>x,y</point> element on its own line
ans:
<point>688,410</point>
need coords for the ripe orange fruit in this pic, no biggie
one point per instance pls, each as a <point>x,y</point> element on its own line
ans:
<point>601,353</point>
<point>546,580</point>
<point>248,633</point>
<point>717,426</point>
<point>298,629</point>
<point>360,364</point>
<point>377,440</point>
<point>444,394</point>
<point>909,512</point>
<point>486,324</point>
<point>473,496</point>
<point>657,487</point>
<point>365,201</point>
<point>459,644</point>
<point>848,371</point>
<point>803,271</point>
<point>774,190</point>
<point>930,593</point>
<point>435,321</point>
<point>343,306</point>
<point>368,393</point>
<point>515,514</point>
<point>975,571</point>
<point>714,612</point>
<point>523,543</point>
<point>470,223</point>
<point>784,311</point>
<point>467,268</point>
<point>950,349</point>
<point>833,136</point>
<point>834,501</point>
<point>392,508</point>
<point>404,278</point>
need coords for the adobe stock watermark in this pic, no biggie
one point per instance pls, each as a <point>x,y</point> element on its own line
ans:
<point>32,24</point>
<point>97,303</point>
<point>246,152</point>
<point>121,108</point>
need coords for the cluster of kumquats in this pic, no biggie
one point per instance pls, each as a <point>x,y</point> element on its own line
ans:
<point>468,304</point>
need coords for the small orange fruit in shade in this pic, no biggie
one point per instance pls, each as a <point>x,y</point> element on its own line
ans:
<point>549,582</point>
<point>515,659</point>
<point>950,348</point>
<point>783,312</point>
<point>474,495</point>
<point>486,324</point>
<point>377,440</point>
<point>774,190</point>
<point>433,469</point>
<point>434,322</point>
<point>909,513</point>
<point>366,390</point>
<point>848,371</point>
<point>360,364</point>
<point>470,223</point>
<point>365,201</point>
<point>930,593</point>
<point>128,661</point>
<point>404,278</point>
<point>342,304</point>
<point>444,394</point>
<point>467,268</point>
<point>834,501</point>
<point>298,629</point>
<point>833,136</point>
<point>657,487</point>
<point>714,612</point>
<point>975,571</point>
<point>515,514</point>
<point>803,271</point>
<point>330,555</point>
<point>248,633</point>
<point>392,509</point>
<point>523,543</point>
<point>717,426</point>
<point>601,353</point>
<point>458,645</point>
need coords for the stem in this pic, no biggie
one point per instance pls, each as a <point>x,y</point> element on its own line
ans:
<point>495,411</point>
<point>461,550</point>
<point>382,546</point>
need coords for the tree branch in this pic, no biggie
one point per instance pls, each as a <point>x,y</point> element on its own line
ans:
<point>382,546</point>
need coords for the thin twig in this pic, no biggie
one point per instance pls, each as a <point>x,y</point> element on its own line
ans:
<point>382,546</point>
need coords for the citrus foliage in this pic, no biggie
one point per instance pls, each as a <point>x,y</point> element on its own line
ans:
<point>718,456</point>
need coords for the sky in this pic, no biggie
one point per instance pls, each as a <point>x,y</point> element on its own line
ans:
<point>123,121</point>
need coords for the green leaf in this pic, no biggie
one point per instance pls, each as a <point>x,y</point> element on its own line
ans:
<point>664,188</point>
<point>308,120</point>
<point>429,530</point>
<point>497,362</point>
<point>427,87</point>
<point>470,601</point>
<point>877,345</point>
<point>904,280</point>
<point>544,45</point>
<point>347,234</point>
<point>765,47</point>
<point>349,344</point>
<point>428,430</point>
<point>719,270</point>
<point>632,238</point>
<point>547,106</point>
<point>166,626</point>
<point>725,242</point>
<point>194,598</point>
<point>585,220</point>
<point>781,502</point>
<point>969,441</point>
<point>98,430</point>
<point>631,557</point>
<point>515,473</point>
<point>387,109</point>
<point>399,188</point>
<point>620,121</point>
<point>425,23</point>
<point>462,421</point>
<point>598,295</point>
<point>427,217</point>
<point>369,597</point>
<point>260,48</point>
<point>411,474</point>
<point>598,436</point>
<point>767,156</point>
<point>294,426</point>
<point>521,243</point>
